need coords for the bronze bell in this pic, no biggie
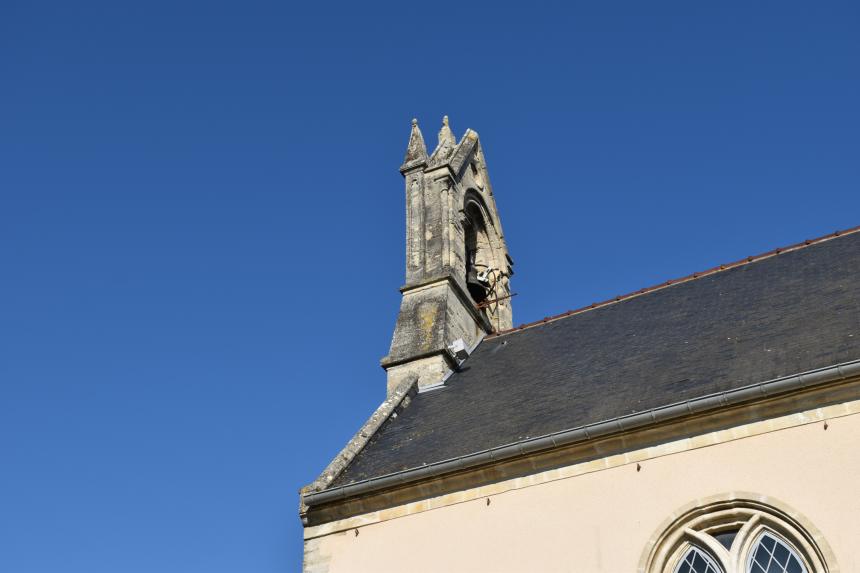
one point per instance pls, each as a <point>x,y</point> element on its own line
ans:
<point>477,288</point>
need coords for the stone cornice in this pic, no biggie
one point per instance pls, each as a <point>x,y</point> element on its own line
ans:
<point>444,352</point>
<point>410,166</point>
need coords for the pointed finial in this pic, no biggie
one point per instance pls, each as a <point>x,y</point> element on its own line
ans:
<point>447,141</point>
<point>415,150</point>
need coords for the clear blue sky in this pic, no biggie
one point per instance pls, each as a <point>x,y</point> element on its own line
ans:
<point>201,224</point>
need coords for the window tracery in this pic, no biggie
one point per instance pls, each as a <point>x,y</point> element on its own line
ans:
<point>738,536</point>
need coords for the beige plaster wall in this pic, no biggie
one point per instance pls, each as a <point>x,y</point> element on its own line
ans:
<point>600,516</point>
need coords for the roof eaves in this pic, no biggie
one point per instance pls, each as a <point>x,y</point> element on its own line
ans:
<point>760,390</point>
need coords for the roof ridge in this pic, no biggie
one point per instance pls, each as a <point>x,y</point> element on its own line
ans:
<point>681,280</point>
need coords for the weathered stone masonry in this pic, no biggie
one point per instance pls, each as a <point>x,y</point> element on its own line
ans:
<point>457,263</point>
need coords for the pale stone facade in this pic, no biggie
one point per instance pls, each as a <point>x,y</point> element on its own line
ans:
<point>606,514</point>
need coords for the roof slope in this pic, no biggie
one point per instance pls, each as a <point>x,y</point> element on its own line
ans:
<point>780,315</point>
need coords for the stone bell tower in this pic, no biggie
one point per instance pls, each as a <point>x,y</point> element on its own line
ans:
<point>457,264</point>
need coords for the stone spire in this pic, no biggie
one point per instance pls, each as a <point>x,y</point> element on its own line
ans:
<point>445,134</point>
<point>416,151</point>
<point>447,142</point>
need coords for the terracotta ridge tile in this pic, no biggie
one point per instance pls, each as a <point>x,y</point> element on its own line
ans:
<point>673,282</point>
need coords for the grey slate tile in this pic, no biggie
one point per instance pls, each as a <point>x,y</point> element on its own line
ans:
<point>782,315</point>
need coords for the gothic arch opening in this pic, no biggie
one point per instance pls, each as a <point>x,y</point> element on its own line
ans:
<point>482,268</point>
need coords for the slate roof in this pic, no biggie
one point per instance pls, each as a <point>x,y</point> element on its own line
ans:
<point>780,315</point>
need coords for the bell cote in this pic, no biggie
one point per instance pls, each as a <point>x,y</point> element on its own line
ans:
<point>458,268</point>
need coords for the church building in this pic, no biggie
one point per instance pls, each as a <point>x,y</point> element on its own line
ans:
<point>708,424</point>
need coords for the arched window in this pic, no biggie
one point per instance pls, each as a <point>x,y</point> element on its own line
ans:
<point>772,555</point>
<point>737,536</point>
<point>697,561</point>
<point>475,239</point>
<point>769,555</point>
